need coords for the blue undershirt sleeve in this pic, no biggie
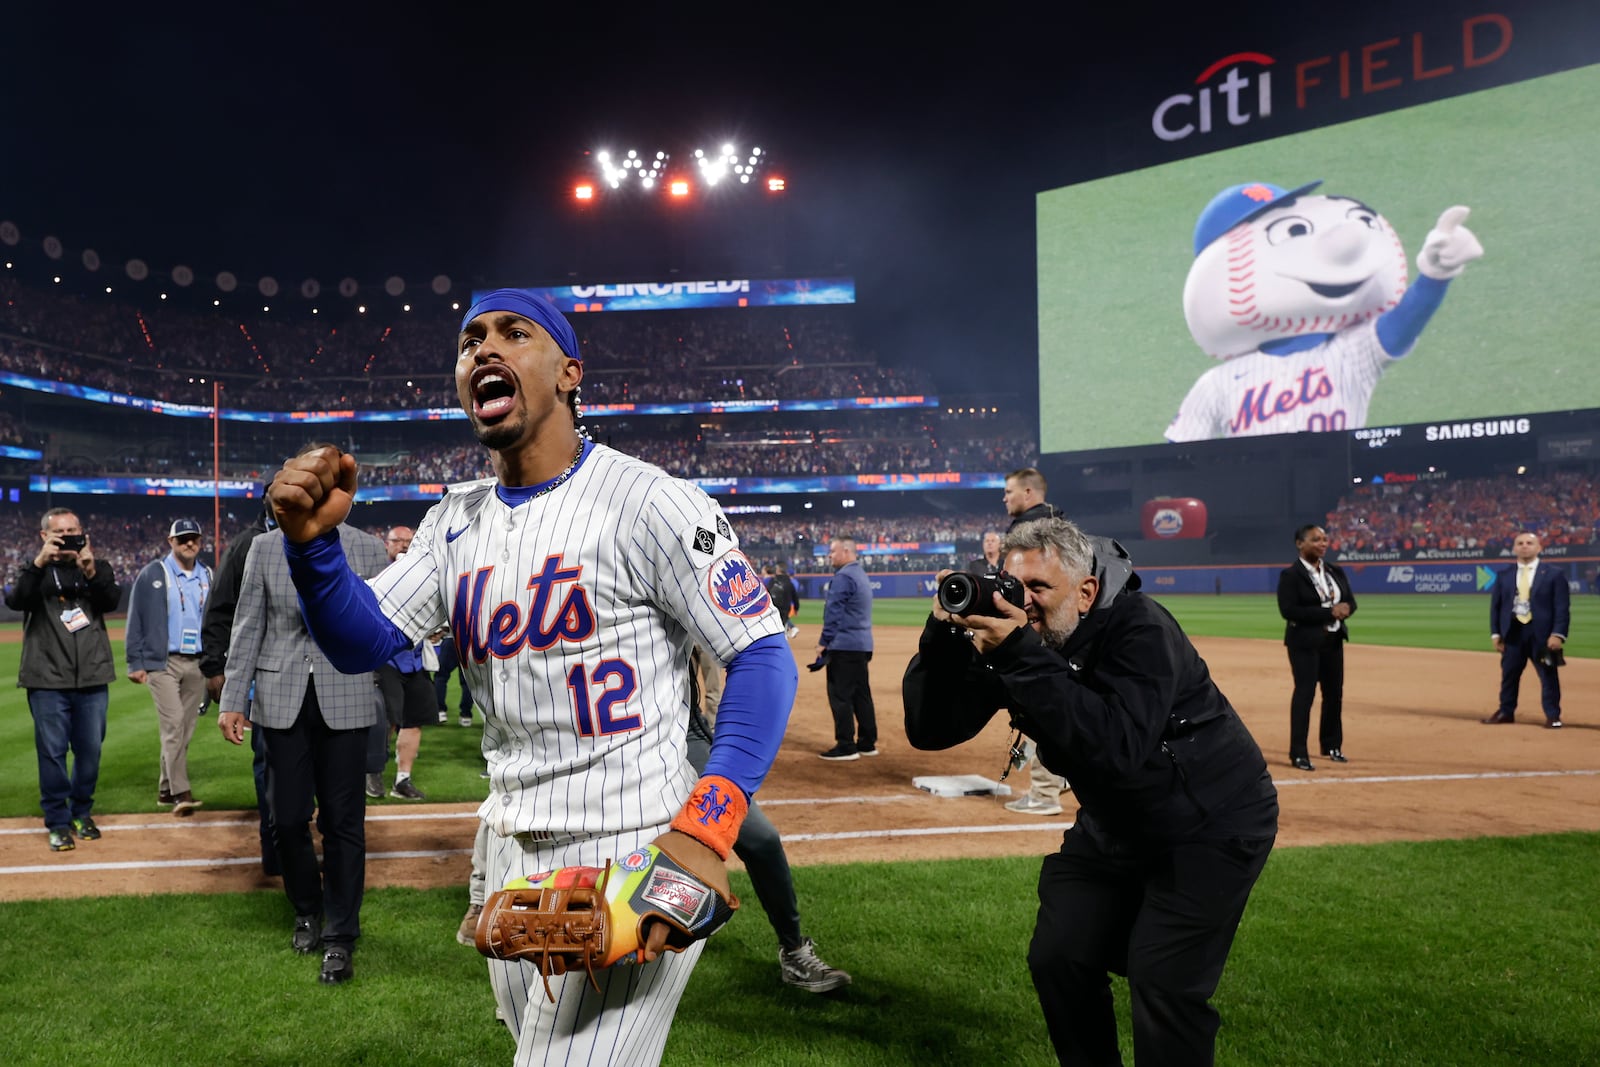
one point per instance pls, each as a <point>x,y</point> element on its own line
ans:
<point>753,712</point>
<point>1400,326</point>
<point>340,609</point>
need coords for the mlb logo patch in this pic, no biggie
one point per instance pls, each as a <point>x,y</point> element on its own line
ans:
<point>736,588</point>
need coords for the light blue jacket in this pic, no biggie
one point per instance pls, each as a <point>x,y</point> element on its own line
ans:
<point>147,637</point>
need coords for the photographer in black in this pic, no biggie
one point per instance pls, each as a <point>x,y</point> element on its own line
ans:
<point>1178,811</point>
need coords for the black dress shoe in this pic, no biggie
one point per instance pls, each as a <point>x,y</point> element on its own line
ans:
<point>1301,763</point>
<point>1336,755</point>
<point>1497,717</point>
<point>336,965</point>
<point>307,939</point>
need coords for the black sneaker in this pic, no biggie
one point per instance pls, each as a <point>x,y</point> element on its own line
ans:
<point>841,752</point>
<point>307,939</point>
<point>406,791</point>
<point>375,786</point>
<point>61,839</point>
<point>802,968</point>
<point>164,797</point>
<point>86,829</point>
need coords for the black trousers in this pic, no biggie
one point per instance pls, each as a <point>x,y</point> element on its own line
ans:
<point>310,765</point>
<point>855,719</point>
<point>1321,665</point>
<point>1164,917</point>
<point>1521,647</point>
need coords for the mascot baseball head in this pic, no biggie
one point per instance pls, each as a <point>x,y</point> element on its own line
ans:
<point>1273,264</point>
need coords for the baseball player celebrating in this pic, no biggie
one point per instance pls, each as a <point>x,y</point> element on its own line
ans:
<point>575,583</point>
<point>1305,298</point>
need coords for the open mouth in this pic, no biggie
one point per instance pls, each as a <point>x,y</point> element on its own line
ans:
<point>1334,292</point>
<point>494,393</point>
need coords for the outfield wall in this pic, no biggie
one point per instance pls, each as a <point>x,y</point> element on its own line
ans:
<point>1457,576</point>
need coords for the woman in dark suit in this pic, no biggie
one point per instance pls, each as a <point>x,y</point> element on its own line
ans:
<point>1315,599</point>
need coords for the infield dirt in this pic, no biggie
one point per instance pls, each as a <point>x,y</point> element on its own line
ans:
<point>1421,766</point>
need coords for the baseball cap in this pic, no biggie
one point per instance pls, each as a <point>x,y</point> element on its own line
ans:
<point>185,528</point>
<point>530,305</point>
<point>1241,203</point>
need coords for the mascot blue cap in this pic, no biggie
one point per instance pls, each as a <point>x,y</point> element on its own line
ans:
<point>530,305</point>
<point>1241,203</point>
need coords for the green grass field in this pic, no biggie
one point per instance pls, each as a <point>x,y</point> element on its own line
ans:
<point>1447,953</point>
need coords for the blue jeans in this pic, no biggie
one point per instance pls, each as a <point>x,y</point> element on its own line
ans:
<point>68,719</point>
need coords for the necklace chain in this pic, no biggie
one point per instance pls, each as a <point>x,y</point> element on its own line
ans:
<point>564,475</point>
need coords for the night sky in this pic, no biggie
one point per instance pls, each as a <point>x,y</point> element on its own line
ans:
<point>371,143</point>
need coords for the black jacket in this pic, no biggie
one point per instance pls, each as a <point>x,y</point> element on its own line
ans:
<point>54,657</point>
<point>216,630</point>
<point>1126,710</point>
<point>1300,604</point>
<point>781,589</point>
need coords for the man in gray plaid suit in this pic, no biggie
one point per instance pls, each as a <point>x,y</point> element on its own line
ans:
<point>315,723</point>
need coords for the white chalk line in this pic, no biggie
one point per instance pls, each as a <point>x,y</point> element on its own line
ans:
<point>847,835</point>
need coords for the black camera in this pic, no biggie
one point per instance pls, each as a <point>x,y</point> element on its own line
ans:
<point>74,542</point>
<point>962,593</point>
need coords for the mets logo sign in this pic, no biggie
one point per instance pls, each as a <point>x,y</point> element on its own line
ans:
<point>736,588</point>
<point>1167,522</point>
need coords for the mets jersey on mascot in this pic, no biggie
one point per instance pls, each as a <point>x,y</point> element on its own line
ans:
<point>1304,298</point>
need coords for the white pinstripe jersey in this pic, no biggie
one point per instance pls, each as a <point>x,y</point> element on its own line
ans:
<point>574,614</point>
<point>1328,387</point>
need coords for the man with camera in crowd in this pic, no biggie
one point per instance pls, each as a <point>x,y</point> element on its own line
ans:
<point>67,668</point>
<point>1178,812</point>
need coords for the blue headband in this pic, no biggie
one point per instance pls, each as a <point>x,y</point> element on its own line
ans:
<point>532,306</point>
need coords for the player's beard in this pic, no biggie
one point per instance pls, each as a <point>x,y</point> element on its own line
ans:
<point>499,437</point>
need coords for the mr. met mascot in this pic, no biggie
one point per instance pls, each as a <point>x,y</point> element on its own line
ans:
<point>1304,298</point>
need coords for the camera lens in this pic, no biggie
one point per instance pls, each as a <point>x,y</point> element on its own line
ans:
<point>957,593</point>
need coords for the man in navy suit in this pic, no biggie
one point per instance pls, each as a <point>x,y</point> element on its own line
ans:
<point>1529,613</point>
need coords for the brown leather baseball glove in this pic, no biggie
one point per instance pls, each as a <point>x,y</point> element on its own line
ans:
<point>663,897</point>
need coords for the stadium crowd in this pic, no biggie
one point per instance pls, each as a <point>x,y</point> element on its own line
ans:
<point>387,359</point>
<point>127,542</point>
<point>1484,514</point>
<point>876,444</point>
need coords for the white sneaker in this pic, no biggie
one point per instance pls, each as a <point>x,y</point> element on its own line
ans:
<point>794,632</point>
<point>1028,804</point>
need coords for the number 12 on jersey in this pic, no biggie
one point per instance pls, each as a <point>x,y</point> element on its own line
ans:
<point>616,683</point>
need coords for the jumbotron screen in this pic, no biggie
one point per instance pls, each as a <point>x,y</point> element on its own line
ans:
<point>1219,296</point>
